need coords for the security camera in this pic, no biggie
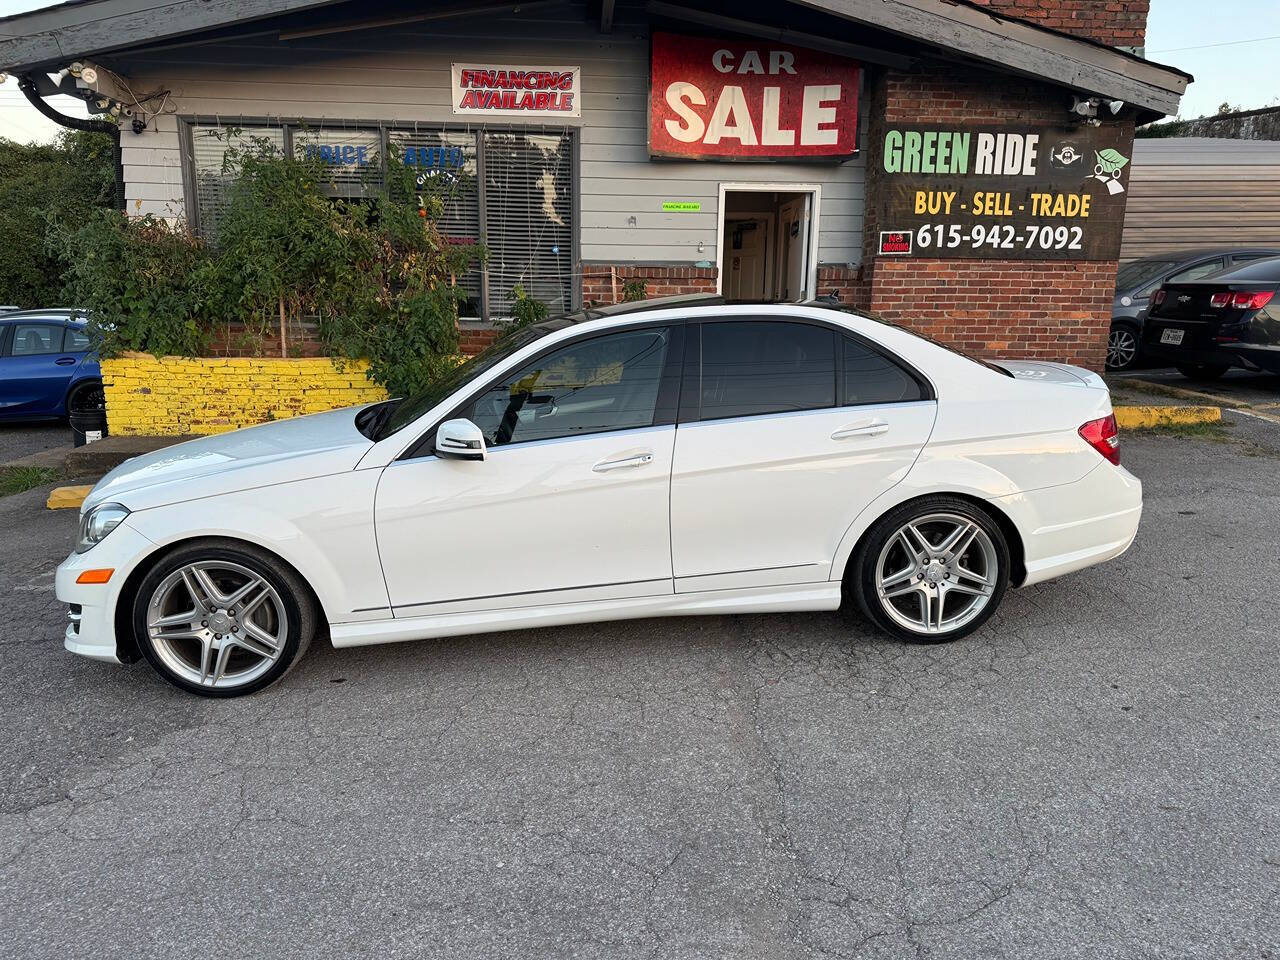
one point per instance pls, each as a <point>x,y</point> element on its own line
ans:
<point>1084,106</point>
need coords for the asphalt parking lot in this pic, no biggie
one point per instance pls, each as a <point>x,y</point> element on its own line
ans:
<point>1096,774</point>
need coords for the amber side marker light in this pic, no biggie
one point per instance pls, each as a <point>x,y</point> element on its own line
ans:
<point>96,576</point>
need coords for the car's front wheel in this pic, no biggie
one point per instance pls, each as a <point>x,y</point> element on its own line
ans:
<point>932,570</point>
<point>222,619</point>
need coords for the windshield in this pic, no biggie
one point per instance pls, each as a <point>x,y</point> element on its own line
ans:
<point>1140,272</point>
<point>406,411</point>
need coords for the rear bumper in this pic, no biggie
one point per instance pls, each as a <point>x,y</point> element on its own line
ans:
<point>1076,525</point>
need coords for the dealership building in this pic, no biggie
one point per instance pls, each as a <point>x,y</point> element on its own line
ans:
<point>961,167</point>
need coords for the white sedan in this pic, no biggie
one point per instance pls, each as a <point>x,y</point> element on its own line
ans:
<point>662,459</point>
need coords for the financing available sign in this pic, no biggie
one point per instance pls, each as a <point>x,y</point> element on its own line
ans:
<point>1002,192</point>
<point>749,100</point>
<point>511,90</point>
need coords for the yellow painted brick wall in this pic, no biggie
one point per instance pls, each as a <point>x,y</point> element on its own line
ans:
<point>173,396</point>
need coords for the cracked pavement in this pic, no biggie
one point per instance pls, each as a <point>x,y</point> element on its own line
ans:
<point>1095,774</point>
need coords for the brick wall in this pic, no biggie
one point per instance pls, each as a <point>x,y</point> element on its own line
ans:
<point>1118,23</point>
<point>1055,310</point>
<point>847,284</point>
<point>175,396</point>
<point>603,283</point>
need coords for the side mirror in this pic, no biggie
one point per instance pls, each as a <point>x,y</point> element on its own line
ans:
<point>460,440</point>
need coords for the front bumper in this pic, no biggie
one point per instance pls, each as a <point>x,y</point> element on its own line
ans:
<point>93,633</point>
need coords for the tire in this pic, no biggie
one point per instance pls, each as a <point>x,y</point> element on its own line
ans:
<point>1123,346</point>
<point>199,636</point>
<point>86,397</point>
<point>1202,371</point>
<point>970,585</point>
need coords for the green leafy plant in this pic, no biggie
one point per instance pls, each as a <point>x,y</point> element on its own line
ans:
<point>525,310</point>
<point>634,290</point>
<point>43,184</point>
<point>18,479</point>
<point>373,272</point>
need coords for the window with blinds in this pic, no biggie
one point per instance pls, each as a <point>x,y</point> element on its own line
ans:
<point>445,166</point>
<point>212,173</point>
<point>528,206</point>
<point>510,190</point>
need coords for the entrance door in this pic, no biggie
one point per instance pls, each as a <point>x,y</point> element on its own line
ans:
<point>747,258</point>
<point>793,249</point>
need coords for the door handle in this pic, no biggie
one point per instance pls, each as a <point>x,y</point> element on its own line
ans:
<point>639,460</point>
<point>866,428</point>
<point>65,361</point>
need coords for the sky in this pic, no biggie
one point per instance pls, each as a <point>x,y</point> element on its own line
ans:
<point>1231,46</point>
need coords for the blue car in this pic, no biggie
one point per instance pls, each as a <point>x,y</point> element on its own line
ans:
<point>48,367</point>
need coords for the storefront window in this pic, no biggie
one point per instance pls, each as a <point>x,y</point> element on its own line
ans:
<point>509,190</point>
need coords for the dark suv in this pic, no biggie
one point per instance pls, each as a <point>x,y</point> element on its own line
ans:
<point>1139,279</point>
<point>1228,319</point>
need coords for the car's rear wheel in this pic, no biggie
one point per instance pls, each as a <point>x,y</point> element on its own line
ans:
<point>1202,371</point>
<point>1122,346</point>
<point>932,570</point>
<point>222,619</point>
<point>86,399</point>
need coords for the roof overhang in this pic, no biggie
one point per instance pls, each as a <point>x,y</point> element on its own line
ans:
<point>81,28</point>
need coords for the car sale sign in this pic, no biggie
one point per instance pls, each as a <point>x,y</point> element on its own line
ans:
<point>749,100</point>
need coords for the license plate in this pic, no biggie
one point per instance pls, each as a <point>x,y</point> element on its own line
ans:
<point>1172,336</point>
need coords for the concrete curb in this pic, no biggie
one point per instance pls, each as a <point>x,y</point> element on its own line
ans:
<point>67,498</point>
<point>1144,417</point>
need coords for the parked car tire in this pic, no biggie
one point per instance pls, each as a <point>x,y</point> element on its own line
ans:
<point>932,570</point>
<point>222,618</point>
<point>1202,371</point>
<point>1123,346</point>
<point>86,397</point>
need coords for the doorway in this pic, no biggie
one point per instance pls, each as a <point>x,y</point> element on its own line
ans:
<point>768,237</point>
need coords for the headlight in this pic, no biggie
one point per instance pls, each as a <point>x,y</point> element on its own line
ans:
<point>97,523</point>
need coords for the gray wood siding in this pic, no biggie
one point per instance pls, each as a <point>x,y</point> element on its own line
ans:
<point>401,75</point>
<point>1192,191</point>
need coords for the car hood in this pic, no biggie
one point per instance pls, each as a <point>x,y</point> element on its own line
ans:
<point>1044,372</point>
<point>285,450</point>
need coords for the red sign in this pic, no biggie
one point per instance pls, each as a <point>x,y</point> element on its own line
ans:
<point>749,100</point>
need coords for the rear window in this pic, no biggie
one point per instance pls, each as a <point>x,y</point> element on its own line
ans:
<point>872,378</point>
<point>1140,272</point>
<point>1260,271</point>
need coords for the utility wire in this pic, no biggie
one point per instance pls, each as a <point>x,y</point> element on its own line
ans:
<point>1204,46</point>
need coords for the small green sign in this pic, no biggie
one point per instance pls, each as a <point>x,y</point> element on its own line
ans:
<point>682,206</point>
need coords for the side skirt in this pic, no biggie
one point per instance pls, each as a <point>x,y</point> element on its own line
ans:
<point>778,599</point>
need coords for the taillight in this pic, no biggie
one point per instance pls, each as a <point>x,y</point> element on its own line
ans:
<point>1159,297</point>
<point>1104,436</point>
<point>1241,301</point>
<point>1252,301</point>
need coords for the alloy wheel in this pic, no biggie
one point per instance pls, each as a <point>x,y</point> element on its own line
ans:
<point>936,573</point>
<point>1122,347</point>
<point>217,624</point>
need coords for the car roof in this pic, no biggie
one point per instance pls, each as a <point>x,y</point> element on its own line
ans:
<point>54,313</point>
<point>1195,253</point>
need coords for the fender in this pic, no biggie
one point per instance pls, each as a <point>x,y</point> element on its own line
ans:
<point>337,554</point>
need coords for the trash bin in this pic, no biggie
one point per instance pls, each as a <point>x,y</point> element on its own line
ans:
<point>87,411</point>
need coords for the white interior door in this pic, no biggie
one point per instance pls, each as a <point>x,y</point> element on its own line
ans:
<point>793,249</point>
<point>746,256</point>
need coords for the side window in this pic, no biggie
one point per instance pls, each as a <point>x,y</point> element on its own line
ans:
<point>1196,272</point>
<point>872,378</point>
<point>606,383</point>
<point>755,367</point>
<point>77,341</point>
<point>32,339</point>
